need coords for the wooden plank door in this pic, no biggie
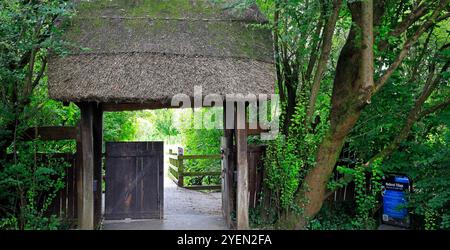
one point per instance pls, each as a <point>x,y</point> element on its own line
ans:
<point>134,180</point>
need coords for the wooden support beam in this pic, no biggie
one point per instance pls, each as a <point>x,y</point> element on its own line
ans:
<point>115,107</point>
<point>78,185</point>
<point>71,196</point>
<point>242,172</point>
<point>228,197</point>
<point>257,131</point>
<point>202,173</point>
<point>193,157</point>
<point>85,184</point>
<point>98,163</point>
<point>51,133</point>
<point>226,183</point>
<point>180,166</point>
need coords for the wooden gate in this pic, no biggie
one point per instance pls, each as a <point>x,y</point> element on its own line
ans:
<point>134,180</point>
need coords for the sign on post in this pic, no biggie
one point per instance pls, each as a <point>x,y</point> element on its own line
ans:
<point>180,151</point>
<point>394,211</point>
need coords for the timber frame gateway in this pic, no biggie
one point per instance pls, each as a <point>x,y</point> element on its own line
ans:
<point>139,59</point>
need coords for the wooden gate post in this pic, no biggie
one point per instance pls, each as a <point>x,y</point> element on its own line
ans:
<point>227,163</point>
<point>242,168</point>
<point>85,183</point>
<point>180,166</point>
<point>98,160</point>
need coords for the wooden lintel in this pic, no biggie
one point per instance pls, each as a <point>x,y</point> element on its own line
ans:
<point>117,107</point>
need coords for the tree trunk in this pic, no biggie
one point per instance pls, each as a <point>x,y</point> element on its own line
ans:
<point>352,89</point>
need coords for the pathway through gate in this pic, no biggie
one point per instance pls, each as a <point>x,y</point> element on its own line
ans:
<point>183,210</point>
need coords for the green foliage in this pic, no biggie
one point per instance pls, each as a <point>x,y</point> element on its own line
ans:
<point>431,220</point>
<point>263,216</point>
<point>293,153</point>
<point>425,157</point>
<point>28,184</point>
<point>201,141</point>
<point>27,32</point>
<point>339,216</point>
<point>367,196</point>
<point>367,192</point>
<point>164,124</point>
<point>422,155</point>
<point>119,126</point>
<point>33,184</point>
<point>283,170</point>
<point>157,125</point>
<point>288,158</point>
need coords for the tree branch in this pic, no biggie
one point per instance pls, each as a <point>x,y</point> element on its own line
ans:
<point>434,109</point>
<point>324,55</point>
<point>415,15</point>
<point>407,46</point>
<point>417,61</point>
<point>277,51</point>
<point>415,113</point>
<point>413,117</point>
<point>315,46</point>
<point>41,73</point>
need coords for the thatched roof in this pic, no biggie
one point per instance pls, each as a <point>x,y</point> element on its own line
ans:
<point>149,50</point>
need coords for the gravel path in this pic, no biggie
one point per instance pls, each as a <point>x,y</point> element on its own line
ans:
<point>183,201</point>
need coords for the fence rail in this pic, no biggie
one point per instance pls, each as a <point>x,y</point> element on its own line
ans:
<point>177,171</point>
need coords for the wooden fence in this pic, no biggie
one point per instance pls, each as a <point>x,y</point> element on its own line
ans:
<point>177,170</point>
<point>255,173</point>
<point>64,204</point>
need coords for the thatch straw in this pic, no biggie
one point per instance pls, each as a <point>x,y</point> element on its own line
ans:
<point>143,58</point>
